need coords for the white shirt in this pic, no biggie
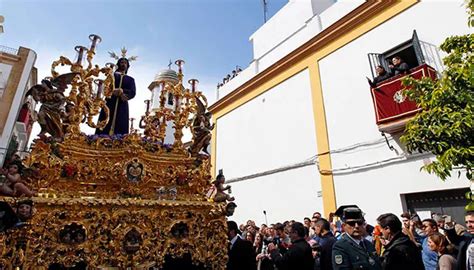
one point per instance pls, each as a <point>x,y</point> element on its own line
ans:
<point>470,256</point>
<point>355,240</point>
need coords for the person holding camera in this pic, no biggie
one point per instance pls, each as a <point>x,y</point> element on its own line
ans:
<point>264,261</point>
<point>299,255</point>
<point>411,227</point>
<point>282,240</point>
<point>464,242</point>
<point>400,251</point>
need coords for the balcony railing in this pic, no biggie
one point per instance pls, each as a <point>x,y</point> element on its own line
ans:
<point>5,49</point>
<point>392,108</point>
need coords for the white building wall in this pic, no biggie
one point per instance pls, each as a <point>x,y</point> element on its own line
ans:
<point>4,74</point>
<point>350,113</point>
<point>273,130</point>
<point>16,105</point>
<point>296,23</point>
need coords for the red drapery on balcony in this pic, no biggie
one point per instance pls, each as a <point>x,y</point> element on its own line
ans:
<point>389,103</point>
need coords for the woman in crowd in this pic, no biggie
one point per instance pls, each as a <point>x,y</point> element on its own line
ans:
<point>250,236</point>
<point>438,243</point>
<point>258,243</point>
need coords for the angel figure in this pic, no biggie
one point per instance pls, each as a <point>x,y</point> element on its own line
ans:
<point>14,185</point>
<point>52,104</point>
<point>201,129</point>
<point>216,192</point>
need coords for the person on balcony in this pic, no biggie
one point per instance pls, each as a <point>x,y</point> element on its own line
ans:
<point>398,66</point>
<point>382,75</point>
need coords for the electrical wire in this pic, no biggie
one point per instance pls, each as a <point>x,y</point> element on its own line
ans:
<point>338,171</point>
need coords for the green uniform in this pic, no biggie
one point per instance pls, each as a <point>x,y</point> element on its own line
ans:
<point>347,254</point>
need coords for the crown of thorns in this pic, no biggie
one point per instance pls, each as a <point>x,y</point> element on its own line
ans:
<point>123,55</point>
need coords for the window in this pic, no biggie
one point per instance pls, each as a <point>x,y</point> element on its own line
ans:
<point>410,51</point>
<point>170,99</point>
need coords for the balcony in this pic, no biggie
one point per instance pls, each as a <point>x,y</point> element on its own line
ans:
<point>24,119</point>
<point>392,109</point>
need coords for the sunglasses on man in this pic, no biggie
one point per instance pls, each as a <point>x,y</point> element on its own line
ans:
<point>352,223</point>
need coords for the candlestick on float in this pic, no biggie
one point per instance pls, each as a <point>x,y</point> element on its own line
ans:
<point>180,64</point>
<point>95,39</point>
<point>147,102</point>
<point>131,125</point>
<point>80,54</point>
<point>141,123</point>
<point>110,65</point>
<point>193,83</point>
<point>77,66</point>
<point>100,87</point>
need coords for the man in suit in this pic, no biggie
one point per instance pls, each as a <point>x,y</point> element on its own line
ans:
<point>352,251</point>
<point>299,255</point>
<point>241,253</point>
<point>464,243</point>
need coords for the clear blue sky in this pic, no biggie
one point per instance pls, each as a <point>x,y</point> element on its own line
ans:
<point>212,36</point>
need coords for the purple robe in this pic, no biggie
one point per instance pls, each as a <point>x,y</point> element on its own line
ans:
<point>122,118</point>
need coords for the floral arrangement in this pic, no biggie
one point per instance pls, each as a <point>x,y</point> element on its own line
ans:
<point>118,140</point>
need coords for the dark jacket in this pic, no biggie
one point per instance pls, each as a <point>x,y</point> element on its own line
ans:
<point>299,256</point>
<point>402,68</point>
<point>326,242</point>
<point>348,255</point>
<point>380,78</point>
<point>462,243</point>
<point>402,253</point>
<point>242,256</point>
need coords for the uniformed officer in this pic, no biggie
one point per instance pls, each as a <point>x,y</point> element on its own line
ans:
<point>352,251</point>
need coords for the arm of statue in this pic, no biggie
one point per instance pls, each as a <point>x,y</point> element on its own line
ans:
<point>117,92</point>
<point>14,178</point>
<point>129,89</point>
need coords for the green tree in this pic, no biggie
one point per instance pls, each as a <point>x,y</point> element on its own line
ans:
<point>445,126</point>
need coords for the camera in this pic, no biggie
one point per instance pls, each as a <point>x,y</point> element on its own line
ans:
<point>316,247</point>
<point>275,241</point>
<point>415,218</point>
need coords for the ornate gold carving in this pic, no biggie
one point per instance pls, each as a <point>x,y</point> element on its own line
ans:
<point>121,201</point>
<point>86,104</point>
<point>116,232</point>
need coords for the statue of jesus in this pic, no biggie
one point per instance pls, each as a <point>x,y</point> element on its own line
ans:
<point>124,90</point>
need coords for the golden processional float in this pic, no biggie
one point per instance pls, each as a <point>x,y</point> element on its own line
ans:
<point>118,202</point>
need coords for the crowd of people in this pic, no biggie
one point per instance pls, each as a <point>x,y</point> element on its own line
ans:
<point>229,77</point>
<point>346,241</point>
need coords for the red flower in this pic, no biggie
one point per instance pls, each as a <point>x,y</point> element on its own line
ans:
<point>69,170</point>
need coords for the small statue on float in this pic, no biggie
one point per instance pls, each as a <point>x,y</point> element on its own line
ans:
<point>201,129</point>
<point>51,96</point>
<point>216,192</point>
<point>24,212</point>
<point>13,185</point>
